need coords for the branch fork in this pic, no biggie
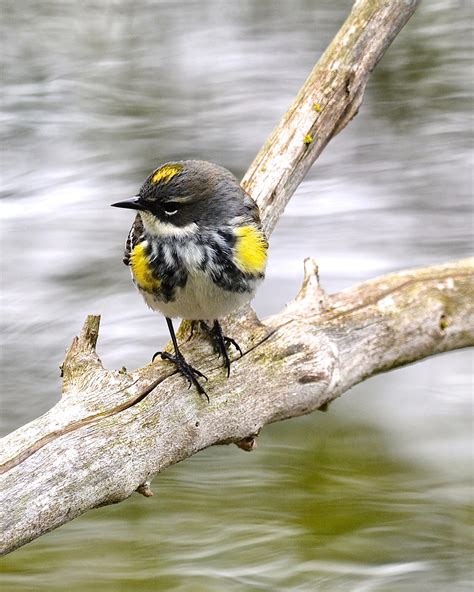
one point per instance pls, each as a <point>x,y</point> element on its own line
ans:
<point>113,431</point>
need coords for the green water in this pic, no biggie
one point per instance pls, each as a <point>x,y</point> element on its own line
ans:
<point>376,494</point>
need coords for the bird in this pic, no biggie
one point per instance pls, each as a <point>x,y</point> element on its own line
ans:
<point>196,251</point>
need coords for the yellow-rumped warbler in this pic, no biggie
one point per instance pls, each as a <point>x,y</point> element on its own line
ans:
<point>196,249</point>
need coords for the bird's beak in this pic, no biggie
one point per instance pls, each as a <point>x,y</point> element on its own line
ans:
<point>134,203</point>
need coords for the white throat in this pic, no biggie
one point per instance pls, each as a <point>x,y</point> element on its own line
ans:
<point>156,227</point>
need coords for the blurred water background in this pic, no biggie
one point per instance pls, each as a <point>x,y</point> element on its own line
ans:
<point>374,495</point>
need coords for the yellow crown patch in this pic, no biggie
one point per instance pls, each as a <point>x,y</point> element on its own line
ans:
<point>165,173</point>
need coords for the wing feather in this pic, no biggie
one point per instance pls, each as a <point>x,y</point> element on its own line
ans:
<point>136,231</point>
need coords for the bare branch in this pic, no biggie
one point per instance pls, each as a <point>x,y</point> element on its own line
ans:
<point>327,101</point>
<point>113,431</point>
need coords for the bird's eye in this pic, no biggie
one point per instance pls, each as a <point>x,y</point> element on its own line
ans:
<point>171,209</point>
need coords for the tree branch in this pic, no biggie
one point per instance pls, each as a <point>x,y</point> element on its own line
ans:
<point>325,104</point>
<point>113,431</point>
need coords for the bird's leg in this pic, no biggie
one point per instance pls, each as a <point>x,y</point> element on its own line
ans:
<point>221,342</point>
<point>182,366</point>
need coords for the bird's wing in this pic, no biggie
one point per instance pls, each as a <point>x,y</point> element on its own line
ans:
<point>253,214</point>
<point>252,210</point>
<point>133,238</point>
<point>251,246</point>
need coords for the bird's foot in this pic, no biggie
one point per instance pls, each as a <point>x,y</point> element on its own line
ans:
<point>222,343</point>
<point>189,372</point>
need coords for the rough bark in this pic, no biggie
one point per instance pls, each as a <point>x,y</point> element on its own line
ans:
<point>113,431</point>
<point>325,104</point>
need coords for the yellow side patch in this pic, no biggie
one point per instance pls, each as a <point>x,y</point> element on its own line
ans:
<point>142,271</point>
<point>166,173</point>
<point>250,250</point>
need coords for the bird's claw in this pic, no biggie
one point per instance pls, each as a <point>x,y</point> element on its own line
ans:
<point>229,341</point>
<point>188,371</point>
<point>222,343</point>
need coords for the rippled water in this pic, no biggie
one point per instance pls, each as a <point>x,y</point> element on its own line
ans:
<point>374,495</point>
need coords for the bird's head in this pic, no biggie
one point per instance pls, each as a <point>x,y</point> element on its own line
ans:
<point>183,195</point>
